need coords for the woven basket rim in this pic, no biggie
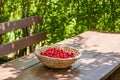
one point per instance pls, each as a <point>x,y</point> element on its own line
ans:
<point>75,57</point>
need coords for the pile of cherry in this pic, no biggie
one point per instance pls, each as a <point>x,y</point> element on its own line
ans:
<point>57,53</point>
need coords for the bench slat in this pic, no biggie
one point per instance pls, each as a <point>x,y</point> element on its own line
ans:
<point>26,22</point>
<point>22,43</point>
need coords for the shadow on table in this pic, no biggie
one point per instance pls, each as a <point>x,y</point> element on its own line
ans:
<point>85,68</point>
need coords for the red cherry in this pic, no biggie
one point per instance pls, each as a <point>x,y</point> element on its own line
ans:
<point>57,53</point>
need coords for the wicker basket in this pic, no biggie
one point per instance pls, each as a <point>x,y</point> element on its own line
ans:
<point>58,62</point>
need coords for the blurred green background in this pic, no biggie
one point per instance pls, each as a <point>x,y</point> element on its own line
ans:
<point>61,18</point>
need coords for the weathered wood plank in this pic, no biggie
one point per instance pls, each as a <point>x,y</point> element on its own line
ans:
<point>26,22</point>
<point>22,43</point>
<point>15,66</point>
<point>89,69</point>
<point>100,58</point>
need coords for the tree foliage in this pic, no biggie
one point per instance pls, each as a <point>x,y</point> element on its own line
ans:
<point>62,18</point>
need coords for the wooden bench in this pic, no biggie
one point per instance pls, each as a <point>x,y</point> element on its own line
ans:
<point>23,42</point>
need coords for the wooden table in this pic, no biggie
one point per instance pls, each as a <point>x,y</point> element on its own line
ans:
<point>100,57</point>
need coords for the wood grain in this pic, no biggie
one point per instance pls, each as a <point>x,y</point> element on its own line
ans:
<point>22,43</point>
<point>23,23</point>
<point>100,58</point>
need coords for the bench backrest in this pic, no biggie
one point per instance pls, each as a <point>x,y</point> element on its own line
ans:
<point>24,42</point>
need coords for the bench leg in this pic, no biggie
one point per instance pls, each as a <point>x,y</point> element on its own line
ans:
<point>115,75</point>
